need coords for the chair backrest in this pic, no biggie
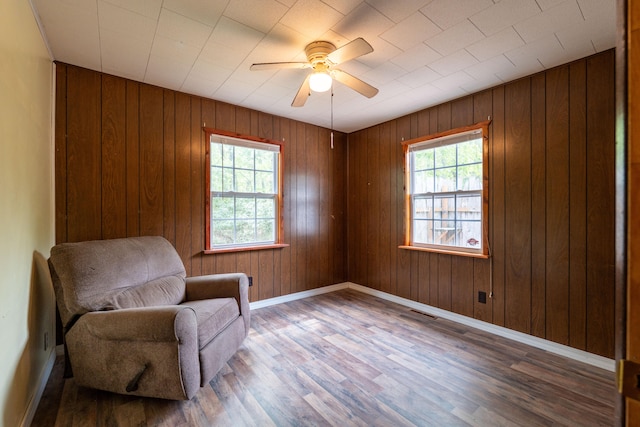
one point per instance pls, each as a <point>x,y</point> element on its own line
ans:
<point>118,273</point>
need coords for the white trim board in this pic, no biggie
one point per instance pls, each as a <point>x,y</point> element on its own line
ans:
<point>550,346</point>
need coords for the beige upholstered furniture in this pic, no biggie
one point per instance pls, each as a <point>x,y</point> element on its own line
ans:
<point>135,324</point>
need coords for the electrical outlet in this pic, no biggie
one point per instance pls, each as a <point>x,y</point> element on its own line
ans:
<point>482,297</point>
<point>250,280</point>
<point>46,341</point>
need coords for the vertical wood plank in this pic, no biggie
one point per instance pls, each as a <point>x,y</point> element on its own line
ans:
<point>324,227</point>
<point>424,277</point>
<point>385,204</point>
<point>444,281</point>
<point>462,295</point>
<point>312,217</point>
<point>497,187</point>
<point>61,179</point>
<point>395,201</point>
<point>151,161</point>
<point>372,212</point>
<point>133,158</point>
<point>113,178</point>
<point>518,206</point>
<point>538,205</point>
<point>285,257</point>
<point>578,205</point>
<point>557,205</point>
<point>301,209</point>
<point>183,178</point>
<point>84,201</point>
<point>169,167</point>
<point>600,216</point>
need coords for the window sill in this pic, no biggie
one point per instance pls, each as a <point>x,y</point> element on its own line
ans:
<point>445,251</point>
<point>245,248</point>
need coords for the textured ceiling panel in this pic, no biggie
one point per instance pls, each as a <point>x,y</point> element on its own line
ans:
<point>425,51</point>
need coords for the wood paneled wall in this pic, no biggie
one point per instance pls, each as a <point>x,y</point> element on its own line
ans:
<point>130,161</point>
<point>552,201</point>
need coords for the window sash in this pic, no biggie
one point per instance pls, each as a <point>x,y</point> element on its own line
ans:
<point>238,182</point>
<point>446,198</point>
<point>454,228</point>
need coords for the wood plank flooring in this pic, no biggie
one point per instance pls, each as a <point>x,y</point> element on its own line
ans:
<point>351,359</point>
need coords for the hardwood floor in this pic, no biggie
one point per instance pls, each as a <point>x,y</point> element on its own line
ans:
<point>351,359</point>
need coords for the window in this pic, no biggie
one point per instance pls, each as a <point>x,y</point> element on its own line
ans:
<point>446,195</point>
<point>244,193</point>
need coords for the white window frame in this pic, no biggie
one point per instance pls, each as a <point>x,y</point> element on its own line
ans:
<point>476,247</point>
<point>236,140</point>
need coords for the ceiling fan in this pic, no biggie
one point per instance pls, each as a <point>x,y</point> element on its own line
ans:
<point>322,57</point>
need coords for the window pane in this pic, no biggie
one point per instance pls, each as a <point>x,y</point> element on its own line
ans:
<point>227,155</point>
<point>266,208</point>
<point>245,231</point>
<point>423,182</point>
<point>444,233</point>
<point>423,159</point>
<point>216,179</point>
<point>222,232</point>
<point>423,231</point>
<point>470,152</point>
<point>266,230</point>
<point>470,177</point>
<point>216,154</point>
<point>470,235</point>
<point>423,208</point>
<point>444,207</point>
<point>264,183</point>
<point>222,207</point>
<point>244,181</point>
<point>265,160</point>
<point>445,156</point>
<point>245,208</point>
<point>469,208</point>
<point>445,179</point>
<point>227,179</point>
<point>244,157</point>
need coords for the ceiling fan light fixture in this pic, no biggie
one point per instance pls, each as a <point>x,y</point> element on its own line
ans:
<point>320,82</point>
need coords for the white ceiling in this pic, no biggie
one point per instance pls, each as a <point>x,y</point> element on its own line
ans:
<point>425,51</point>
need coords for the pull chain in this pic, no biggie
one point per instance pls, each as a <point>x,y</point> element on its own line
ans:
<point>332,116</point>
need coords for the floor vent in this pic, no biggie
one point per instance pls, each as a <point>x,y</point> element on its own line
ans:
<point>423,313</point>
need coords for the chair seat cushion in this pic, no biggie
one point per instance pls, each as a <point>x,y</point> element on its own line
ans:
<point>213,316</point>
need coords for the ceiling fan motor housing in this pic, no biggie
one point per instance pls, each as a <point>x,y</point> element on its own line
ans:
<point>317,52</point>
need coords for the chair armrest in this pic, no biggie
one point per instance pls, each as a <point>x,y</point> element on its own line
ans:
<point>234,285</point>
<point>160,323</point>
<point>146,351</point>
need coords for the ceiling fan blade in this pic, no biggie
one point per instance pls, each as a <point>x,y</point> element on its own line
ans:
<point>354,83</point>
<point>303,93</point>
<point>278,65</point>
<point>351,50</point>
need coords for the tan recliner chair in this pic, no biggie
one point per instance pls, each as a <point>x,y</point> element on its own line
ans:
<point>135,324</point>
